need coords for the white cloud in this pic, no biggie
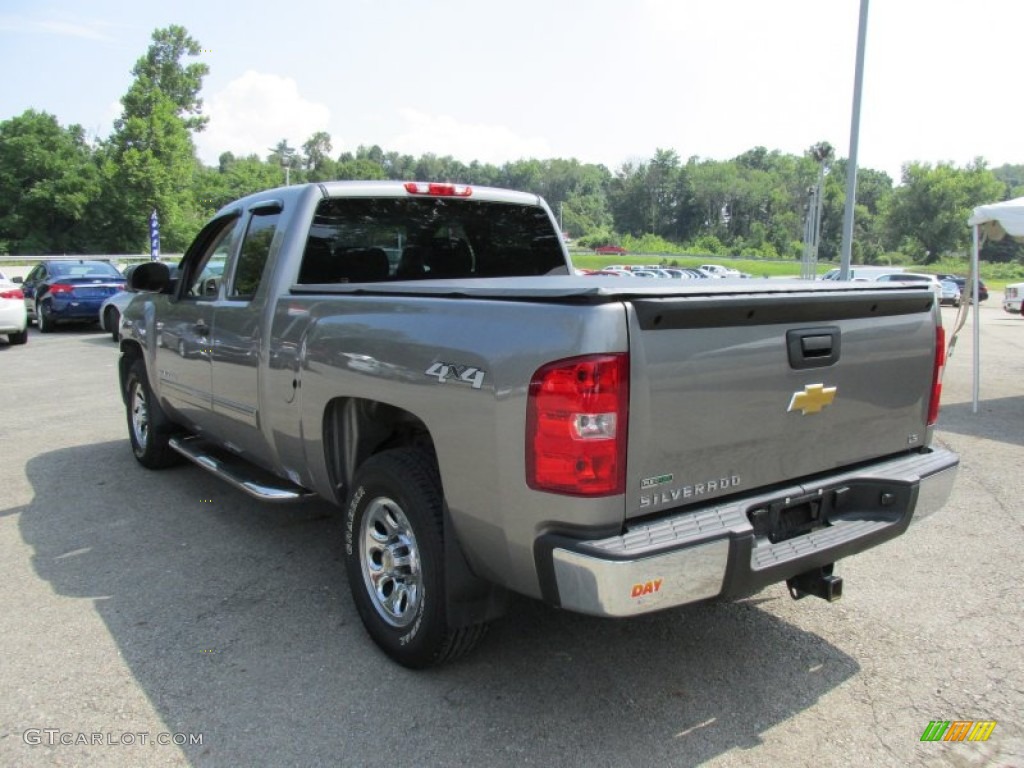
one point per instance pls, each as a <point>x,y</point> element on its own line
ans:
<point>64,27</point>
<point>89,31</point>
<point>254,112</point>
<point>444,135</point>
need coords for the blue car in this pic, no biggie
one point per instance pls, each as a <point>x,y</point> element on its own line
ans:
<point>65,290</point>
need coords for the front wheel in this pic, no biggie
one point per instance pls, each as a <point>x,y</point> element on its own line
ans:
<point>111,320</point>
<point>149,429</point>
<point>394,556</point>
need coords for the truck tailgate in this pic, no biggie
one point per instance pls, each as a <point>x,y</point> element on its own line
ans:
<point>729,393</point>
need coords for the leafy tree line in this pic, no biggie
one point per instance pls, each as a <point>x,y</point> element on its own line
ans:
<point>59,193</point>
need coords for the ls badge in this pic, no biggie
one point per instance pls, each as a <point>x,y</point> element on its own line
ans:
<point>812,399</point>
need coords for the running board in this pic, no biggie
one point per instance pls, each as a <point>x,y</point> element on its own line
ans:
<point>234,470</point>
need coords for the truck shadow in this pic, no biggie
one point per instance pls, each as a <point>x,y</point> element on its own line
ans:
<point>997,419</point>
<point>235,619</point>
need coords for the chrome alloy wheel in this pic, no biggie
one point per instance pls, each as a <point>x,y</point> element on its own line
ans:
<point>390,562</point>
<point>140,416</point>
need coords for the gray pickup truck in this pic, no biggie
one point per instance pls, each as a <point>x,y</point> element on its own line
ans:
<point>424,356</point>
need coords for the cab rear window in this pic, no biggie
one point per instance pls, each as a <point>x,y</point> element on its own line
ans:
<point>379,239</point>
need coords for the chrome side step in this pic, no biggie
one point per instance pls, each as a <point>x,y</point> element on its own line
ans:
<point>234,470</point>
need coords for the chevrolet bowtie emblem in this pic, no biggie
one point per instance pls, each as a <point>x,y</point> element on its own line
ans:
<point>812,399</point>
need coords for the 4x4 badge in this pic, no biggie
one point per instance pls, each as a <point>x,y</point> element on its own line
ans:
<point>812,399</point>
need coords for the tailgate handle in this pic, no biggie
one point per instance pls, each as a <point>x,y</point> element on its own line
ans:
<point>813,347</point>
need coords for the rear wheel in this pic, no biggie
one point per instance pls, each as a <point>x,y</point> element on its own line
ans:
<point>18,338</point>
<point>44,321</point>
<point>394,556</point>
<point>149,429</point>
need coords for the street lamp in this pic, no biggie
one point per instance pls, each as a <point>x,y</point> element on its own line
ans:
<point>286,154</point>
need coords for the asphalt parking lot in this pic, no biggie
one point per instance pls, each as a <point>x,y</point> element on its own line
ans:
<point>145,607</point>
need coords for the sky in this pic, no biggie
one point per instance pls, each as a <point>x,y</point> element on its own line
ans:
<point>602,81</point>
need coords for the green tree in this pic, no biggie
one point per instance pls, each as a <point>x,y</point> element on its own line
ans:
<point>48,183</point>
<point>149,162</point>
<point>316,153</point>
<point>926,217</point>
<point>360,168</point>
<point>162,69</point>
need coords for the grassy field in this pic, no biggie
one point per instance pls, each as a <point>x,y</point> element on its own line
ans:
<point>994,275</point>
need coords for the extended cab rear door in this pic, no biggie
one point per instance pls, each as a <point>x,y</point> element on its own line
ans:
<point>183,351</point>
<point>237,332</point>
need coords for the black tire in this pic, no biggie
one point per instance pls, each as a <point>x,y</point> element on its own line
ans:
<point>149,429</point>
<point>394,529</point>
<point>18,338</point>
<point>111,320</point>
<point>45,324</point>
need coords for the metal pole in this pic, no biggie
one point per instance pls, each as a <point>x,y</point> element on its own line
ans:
<point>851,163</point>
<point>977,322</point>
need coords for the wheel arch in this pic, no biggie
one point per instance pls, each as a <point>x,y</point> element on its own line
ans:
<point>130,352</point>
<point>354,429</point>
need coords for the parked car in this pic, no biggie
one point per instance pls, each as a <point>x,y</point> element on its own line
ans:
<point>965,289</point>
<point>1012,295</point>
<point>862,273</point>
<point>13,319</point>
<point>111,311</point>
<point>717,270</point>
<point>607,249</point>
<point>56,291</point>
<point>950,293</point>
<point>907,277</point>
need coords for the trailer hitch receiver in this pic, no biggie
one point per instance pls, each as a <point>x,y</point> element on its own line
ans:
<point>818,582</point>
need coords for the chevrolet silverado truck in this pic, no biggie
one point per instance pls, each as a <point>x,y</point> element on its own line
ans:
<point>422,356</point>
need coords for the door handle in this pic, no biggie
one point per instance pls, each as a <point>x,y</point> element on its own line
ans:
<point>201,327</point>
<point>813,347</point>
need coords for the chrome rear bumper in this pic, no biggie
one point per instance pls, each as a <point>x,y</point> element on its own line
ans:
<point>714,551</point>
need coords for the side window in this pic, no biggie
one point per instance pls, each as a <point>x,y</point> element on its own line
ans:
<point>203,271</point>
<point>253,257</point>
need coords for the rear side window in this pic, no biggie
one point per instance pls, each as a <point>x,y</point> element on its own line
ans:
<point>252,259</point>
<point>371,240</point>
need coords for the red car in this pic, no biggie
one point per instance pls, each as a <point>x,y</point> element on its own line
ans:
<point>606,249</point>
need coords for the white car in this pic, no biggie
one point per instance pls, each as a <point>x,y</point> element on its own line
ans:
<point>861,273</point>
<point>907,277</point>
<point>111,310</point>
<point>1013,294</point>
<point>13,317</point>
<point>716,270</point>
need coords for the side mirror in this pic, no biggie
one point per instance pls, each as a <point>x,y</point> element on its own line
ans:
<point>151,277</point>
<point>18,280</point>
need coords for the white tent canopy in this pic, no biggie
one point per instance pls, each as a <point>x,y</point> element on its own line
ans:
<point>997,220</point>
<point>991,222</point>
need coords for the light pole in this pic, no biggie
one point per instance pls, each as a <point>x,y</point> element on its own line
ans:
<point>285,153</point>
<point>851,163</point>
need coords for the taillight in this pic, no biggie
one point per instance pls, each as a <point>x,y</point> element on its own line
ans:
<point>576,426</point>
<point>12,293</point>
<point>58,288</point>
<point>438,190</point>
<point>937,369</point>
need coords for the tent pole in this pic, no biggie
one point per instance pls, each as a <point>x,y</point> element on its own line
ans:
<point>977,322</point>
